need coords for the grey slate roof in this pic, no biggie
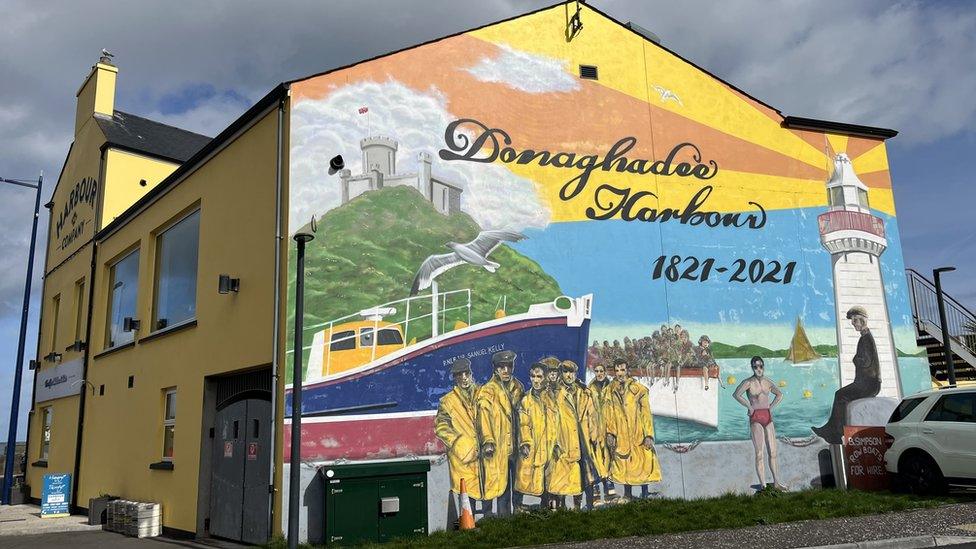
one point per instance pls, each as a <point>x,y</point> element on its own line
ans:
<point>139,134</point>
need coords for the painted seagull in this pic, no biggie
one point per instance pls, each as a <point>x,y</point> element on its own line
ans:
<point>475,252</point>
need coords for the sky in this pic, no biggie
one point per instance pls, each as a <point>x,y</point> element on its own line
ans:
<point>910,66</point>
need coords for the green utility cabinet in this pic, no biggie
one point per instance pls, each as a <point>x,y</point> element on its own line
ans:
<point>375,501</point>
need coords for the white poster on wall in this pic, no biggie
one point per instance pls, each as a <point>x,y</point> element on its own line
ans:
<point>63,380</point>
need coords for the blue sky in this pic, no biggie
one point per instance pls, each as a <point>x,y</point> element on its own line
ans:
<point>905,65</point>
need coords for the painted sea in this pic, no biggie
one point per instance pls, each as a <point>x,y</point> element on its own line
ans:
<point>795,416</point>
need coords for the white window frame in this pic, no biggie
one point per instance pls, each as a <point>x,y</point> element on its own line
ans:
<point>47,423</point>
<point>169,421</point>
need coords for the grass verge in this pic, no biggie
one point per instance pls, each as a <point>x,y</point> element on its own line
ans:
<point>666,516</point>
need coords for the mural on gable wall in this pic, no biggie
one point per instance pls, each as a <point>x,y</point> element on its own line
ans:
<point>551,280</point>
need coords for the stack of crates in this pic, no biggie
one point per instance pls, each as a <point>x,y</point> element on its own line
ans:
<point>134,518</point>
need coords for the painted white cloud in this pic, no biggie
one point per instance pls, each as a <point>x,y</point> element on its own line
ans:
<point>526,72</point>
<point>323,128</point>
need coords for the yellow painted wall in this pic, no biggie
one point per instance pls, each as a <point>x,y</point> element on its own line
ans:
<point>61,453</point>
<point>83,162</point>
<point>123,429</point>
<point>123,173</point>
<point>64,428</point>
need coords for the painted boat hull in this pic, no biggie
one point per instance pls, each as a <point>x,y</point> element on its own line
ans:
<point>410,383</point>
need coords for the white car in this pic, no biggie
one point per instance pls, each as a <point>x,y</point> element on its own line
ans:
<point>932,438</point>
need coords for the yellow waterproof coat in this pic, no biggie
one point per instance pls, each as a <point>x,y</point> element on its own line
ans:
<point>575,431</point>
<point>456,424</point>
<point>537,430</point>
<point>629,420</point>
<point>497,408</point>
<point>601,402</point>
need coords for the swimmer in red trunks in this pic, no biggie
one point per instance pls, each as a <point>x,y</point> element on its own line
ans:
<point>758,388</point>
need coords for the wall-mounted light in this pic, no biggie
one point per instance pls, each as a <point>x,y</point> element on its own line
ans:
<point>226,284</point>
<point>78,345</point>
<point>53,357</point>
<point>130,324</point>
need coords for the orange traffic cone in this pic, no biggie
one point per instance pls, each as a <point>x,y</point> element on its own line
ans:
<point>466,522</point>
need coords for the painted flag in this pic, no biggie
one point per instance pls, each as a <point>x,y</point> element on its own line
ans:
<point>363,110</point>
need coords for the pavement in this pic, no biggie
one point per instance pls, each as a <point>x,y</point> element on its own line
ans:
<point>951,525</point>
<point>20,520</point>
<point>21,526</point>
<point>947,525</point>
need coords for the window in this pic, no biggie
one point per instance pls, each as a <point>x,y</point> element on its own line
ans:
<point>175,298</point>
<point>904,409</point>
<point>958,407</point>
<point>46,418</point>
<point>123,282</point>
<point>55,317</point>
<point>862,198</point>
<point>169,423</point>
<point>836,196</point>
<point>365,337</point>
<point>79,308</point>
<point>343,341</point>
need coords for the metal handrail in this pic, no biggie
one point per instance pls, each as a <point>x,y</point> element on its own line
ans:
<point>328,326</point>
<point>960,321</point>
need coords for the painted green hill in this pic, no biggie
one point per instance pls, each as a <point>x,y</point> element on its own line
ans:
<point>366,253</point>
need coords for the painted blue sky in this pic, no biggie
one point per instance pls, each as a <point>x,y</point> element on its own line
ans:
<point>906,65</point>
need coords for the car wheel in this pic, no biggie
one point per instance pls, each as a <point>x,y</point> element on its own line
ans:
<point>923,476</point>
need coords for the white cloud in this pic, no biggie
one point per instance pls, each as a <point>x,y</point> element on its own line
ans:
<point>322,128</point>
<point>526,72</point>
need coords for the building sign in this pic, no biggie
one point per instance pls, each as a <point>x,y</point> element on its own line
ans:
<point>864,450</point>
<point>56,496</point>
<point>68,224</point>
<point>62,380</point>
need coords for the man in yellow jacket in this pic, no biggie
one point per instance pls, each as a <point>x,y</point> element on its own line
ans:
<point>536,435</point>
<point>600,393</point>
<point>573,470</point>
<point>630,433</point>
<point>498,403</point>
<point>456,424</point>
<point>551,396</point>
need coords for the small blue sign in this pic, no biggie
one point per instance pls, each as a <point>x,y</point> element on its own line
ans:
<point>56,496</point>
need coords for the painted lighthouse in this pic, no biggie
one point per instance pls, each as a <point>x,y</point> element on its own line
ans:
<point>856,239</point>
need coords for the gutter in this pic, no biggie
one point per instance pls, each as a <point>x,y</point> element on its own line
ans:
<point>800,123</point>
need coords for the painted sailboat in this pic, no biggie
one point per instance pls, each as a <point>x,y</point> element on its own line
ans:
<point>801,353</point>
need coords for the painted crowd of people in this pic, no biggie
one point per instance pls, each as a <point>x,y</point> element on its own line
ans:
<point>558,439</point>
<point>662,355</point>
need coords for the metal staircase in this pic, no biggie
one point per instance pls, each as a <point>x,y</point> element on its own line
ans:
<point>928,329</point>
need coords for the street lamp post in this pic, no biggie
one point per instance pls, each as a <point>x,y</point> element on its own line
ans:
<point>8,475</point>
<point>946,344</point>
<point>302,236</point>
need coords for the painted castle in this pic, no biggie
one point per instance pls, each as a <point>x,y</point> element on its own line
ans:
<point>379,170</point>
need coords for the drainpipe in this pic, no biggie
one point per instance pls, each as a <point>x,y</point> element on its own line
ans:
<point>84,367</point>
<point>277,317</point>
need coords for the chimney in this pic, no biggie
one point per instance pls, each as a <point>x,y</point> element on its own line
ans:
<point>97,94</point>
